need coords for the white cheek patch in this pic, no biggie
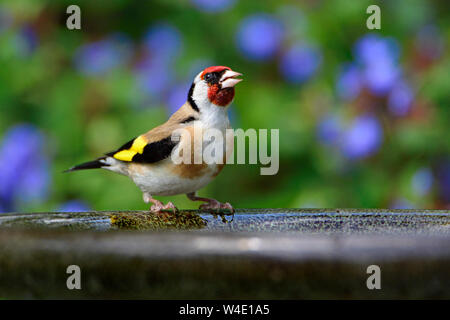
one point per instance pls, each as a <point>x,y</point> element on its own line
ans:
<point>200,94</point>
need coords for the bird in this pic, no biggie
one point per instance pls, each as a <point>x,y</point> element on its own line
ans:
<point>147,160</point>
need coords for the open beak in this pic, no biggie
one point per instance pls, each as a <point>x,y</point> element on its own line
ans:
<point>229,80</point>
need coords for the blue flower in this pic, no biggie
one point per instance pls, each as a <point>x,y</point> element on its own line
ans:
<point>177,96</point>
<point>349,82</point>
<point>99,57</point>
<point>400,99</point>
<point>25,41</point>
<point>378,58</point>
<point>30,38</point>
<point>380,77</point>
<point>372,48</point>
<point>329,129</point>
<point>402,203</point>
<point>154,77</point>
<point>422,181</point>
<point>163,42</point>
<point>74,206</point>
<point>34,184</point>
<point>24,167</point>
<point>259,37</point>
<point>300,62</point>
<point>213,5</point>
<point>154,73</point>
<point>363,138</point>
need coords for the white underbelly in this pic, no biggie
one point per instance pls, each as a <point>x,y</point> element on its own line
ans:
<point>159,179</point>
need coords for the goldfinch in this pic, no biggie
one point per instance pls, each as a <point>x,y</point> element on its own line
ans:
<point>147,159</point>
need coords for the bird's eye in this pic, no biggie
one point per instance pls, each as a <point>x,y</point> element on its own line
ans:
<point>208,77</point>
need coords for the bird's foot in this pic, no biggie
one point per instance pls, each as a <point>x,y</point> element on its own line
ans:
<point>213,204</point>
<point>159,207</point>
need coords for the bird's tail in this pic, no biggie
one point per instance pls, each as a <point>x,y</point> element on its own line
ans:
<point>96,164</point>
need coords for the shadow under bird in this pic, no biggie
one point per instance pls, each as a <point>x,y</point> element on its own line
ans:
<point>147,158</point>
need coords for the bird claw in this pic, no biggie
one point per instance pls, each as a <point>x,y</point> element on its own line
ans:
<point>159,207</point>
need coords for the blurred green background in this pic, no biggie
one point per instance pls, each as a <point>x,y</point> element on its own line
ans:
<point>363,114</point>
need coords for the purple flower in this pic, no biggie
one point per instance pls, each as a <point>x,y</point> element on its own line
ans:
<point>24,167</point>
<point>259,36</point>
<point>177,96</point>
<point>163,41</point>
<point>363,138</point>
<point>300,62</point>
<point>378,58</point>
<point>26,41</point>
<point>154,77</point>
<point>155,73</point>
<point>213,5</point>
<point>33,185</point>
<point>349,82</point>
<point>380,77</point>
<point>74,206</point>
<point>422,181</point>
<point>400,99</point>
<point>30,37</point>
<point>372,48</point>
<point>97,58</point>
<point>402,203</point>
<point>329,129</point>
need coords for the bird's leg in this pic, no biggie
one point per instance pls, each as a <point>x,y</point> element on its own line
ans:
<point>158,206</point>
<point>210,203</point>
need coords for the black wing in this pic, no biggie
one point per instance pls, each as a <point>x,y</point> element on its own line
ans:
<point>141,152</point>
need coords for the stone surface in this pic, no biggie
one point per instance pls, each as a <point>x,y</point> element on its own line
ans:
<point>276,253</point>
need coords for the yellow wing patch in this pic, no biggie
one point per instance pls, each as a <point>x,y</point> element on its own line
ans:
<point>137,147</point>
